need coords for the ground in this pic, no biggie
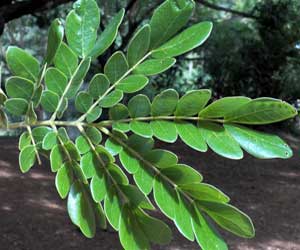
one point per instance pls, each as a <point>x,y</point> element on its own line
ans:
<point>33,217</point>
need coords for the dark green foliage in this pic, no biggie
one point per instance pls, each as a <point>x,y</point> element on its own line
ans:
<point>96,188</point>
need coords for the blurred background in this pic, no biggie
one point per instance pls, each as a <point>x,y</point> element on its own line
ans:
<point>254,50</point>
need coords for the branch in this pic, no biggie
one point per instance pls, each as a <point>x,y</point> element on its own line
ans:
<point>220,8</point>
<point>10,10</point>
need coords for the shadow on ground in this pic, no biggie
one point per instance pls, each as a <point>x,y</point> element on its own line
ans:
<point>33,217</point>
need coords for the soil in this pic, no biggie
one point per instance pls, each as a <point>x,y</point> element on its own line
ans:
<point>33,217</point>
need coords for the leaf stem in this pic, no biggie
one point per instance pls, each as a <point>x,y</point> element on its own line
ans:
<point>146,163</point>
<point>65,92</point>
<point>81,118</point>
<point>82,131</point>
<point>34,145</point>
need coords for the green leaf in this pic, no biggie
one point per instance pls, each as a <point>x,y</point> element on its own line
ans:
<point>25,140</point>
<point>111,99</point>
<point>139,106</point>
<point>100,216</point>
<point>206,237</point>
<point>262,111</point>
<point>81,26</point>
<point>258,144</point>
<point>130,233</point>
<point>116,67</point>
<point>169,18</point>
<point>89,163</point>
<point>81,210</point>
<point>151,226</point>
<point>183,218</point>
<point>144,179</point>
<point>182,174</point>
<point>66,60</point>
<point>165,197</point>
<point>64,180</point>
<point>77,78</point>
<point>164,130</point>
<point>94,114</point>
<point>121,126</point>
<point>118,112</point>
<point>161,158</point>
<point>118,175</point>
<point>49,101</point>
<point>56,81</point>
<point>154,66</point>
<point>83,102</point>
<point>39,133</point>
<point>186,41</point>
<point>141,128</point>
<point>112,208</point>
<point>72,150</point>
<point>62,132</point>
<point>165,103</point>
<point>22,63</point>
<point>57,158</point>
<point>108,36</point>
<point>222,107</point>
<point>138,45</point>
<point>82,145</point>
<point>191,136</point>
<point>220,141</point>
<point>104,154</point>
<point>18,87</point>
<point>129,162</point>
<point>140,144</point>
<point>136,197</point>
<point>229,218</point>
<point>16,106</point>
<point>55,37</point>
<point>27,158</point>
<point>112,147</point>
<point>94,135</point>
<point>192,102</point>
<point>98,85</point>
<point>133,83</point>
<point>98,188</point>
<point>203,191</point>
<point>50,140</point>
